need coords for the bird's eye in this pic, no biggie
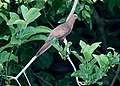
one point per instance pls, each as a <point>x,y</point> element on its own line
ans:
<point>75,15</point>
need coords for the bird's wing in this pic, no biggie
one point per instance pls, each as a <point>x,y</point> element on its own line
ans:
<point>60,31</point>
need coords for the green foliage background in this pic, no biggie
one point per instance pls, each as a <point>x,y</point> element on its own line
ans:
<point>25,25</point>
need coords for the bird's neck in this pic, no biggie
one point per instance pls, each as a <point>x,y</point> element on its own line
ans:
<point>71,22</point>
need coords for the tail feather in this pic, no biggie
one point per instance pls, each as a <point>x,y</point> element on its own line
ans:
<point>46,46</point>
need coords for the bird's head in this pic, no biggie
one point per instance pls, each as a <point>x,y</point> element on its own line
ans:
<point>74,16</point>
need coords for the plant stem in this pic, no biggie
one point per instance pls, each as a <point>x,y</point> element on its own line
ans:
<point>6,66</point>
<point>114,79</point>
<point>42,79</point>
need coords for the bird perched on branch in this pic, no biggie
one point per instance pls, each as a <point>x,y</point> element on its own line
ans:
<point>60,32</point>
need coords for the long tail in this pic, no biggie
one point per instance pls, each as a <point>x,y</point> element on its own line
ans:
<point>46,46</point>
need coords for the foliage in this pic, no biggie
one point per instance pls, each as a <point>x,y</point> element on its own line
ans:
<point>112,4</point>
<point>89,71</point>
<point>25,24</point>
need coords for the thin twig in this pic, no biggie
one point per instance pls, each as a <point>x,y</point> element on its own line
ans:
<point>18,82</point>
<point>114,79</point>
<point>0,82</point>
<point>14,78</point>
<point>78,82</point>
<point>27,79</point>
<point>42,79</point>
<point>6,66</point>
<point>23,70</point>
<point>65,41</point>
<point>50,24</point>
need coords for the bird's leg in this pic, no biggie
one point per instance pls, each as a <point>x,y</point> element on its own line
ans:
<point>62,38</point>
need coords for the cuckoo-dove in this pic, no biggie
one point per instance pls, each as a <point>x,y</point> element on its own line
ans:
<point>60,32</point>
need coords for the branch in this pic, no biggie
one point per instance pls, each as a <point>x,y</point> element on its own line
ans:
<point>27,79</point>
<point>113,81</point>
<point>34,58</point>
<point>68,57</point>
<point>73,9</point>
<point>6,66</point>
<point>42,79</point>
<point>65,41</point>
<point>112,21</point>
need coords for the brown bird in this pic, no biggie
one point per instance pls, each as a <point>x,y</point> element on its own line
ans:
<point>60,32</point>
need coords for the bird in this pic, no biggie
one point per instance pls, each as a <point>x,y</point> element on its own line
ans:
<point>60,32</point>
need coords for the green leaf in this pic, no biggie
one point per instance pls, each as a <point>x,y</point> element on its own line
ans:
<point>78,56</point>
<point>81,6</point>
<point>55,44</point>
<point>31,15</point>
<point>88,50</point>
<point>13,18</point>
<point>50,2</point>
<point>1,67</point>
<point>79,73</point>
<point>21,24</point>
<point>90,24</point>
<point>91,66</point>
<point>113,58</point>
<point>8,1</point>
<point>118,3</point>
<point>90,1</point>
<point>4,38</point>
<point>29,31</point>
<point>83,15</point>
<point>94,46</point>
<point>110,48</point>
<point>84,12</point>
<point>39,5</point>
<point>96,75</point>
<point>64,52</point>
<point>13,68</point>
<point>67,46</point>
<point>61,9</point>
<point>4,17</point>
<point>94,1</point>
<point>38,37</point>
<point>61,20</point>
<point>24,11</point>
<point>102,60</point>
<point>1,20</point>
<point>87,7</point>
<point>43,29</point>
<point>111,4</point>
<point>15,41</point>
<point>5,56</point>
<point>82,44</point>
<point>100,83</point>
<point>1,4</point>
<point>6,46</point>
